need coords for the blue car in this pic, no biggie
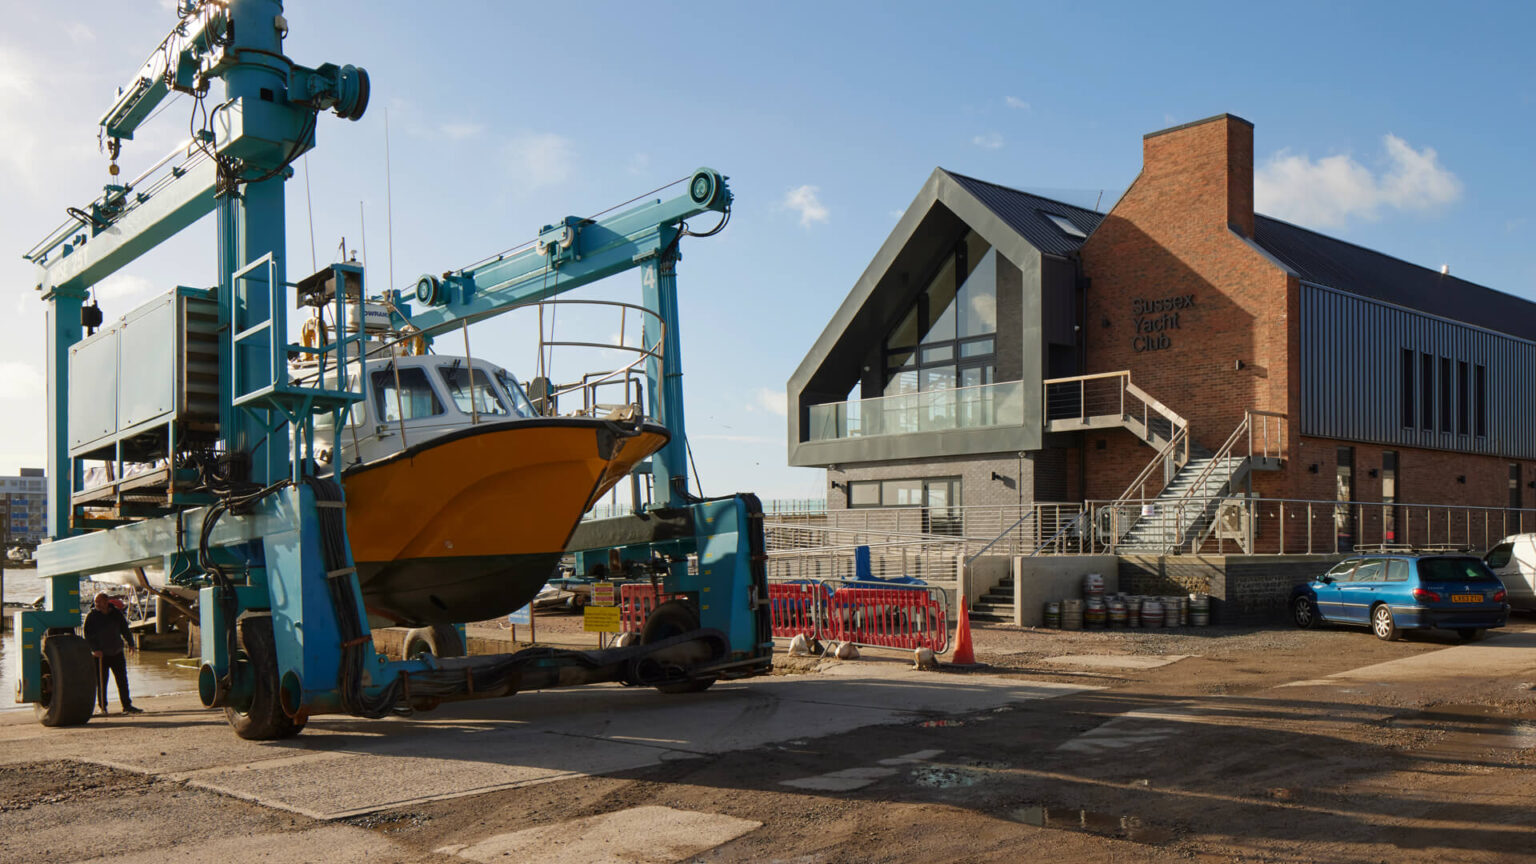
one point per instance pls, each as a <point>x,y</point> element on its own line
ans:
<point>1391,593</point>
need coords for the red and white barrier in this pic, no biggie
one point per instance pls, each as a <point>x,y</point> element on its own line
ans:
<point>889,617</point>
<point>637,600</point>
<point>799,609</point>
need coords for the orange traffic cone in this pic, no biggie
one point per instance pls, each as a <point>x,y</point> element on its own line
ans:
<point>963,655</point>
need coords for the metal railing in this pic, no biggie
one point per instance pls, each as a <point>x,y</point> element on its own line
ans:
<point>1007,529</point>
<point>980,406</point>
<point>801,550</point>
<point>1286,526</point>
<point>1084,399</point>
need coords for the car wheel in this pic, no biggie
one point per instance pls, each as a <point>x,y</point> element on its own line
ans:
<point>1472,634</point>
<point>1383,625</point>
<point>1304,612</point>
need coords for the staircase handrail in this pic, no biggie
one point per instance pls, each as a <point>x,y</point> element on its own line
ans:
<point>1062,530</point>
<point>1125,387</point>
<point>1005,532</point>
<point>1181,437</point>
<point>1223,456</point>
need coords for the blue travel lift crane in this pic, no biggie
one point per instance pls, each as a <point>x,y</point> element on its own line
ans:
<point>199,380</point>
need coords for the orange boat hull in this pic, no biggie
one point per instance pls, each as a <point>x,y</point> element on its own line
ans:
<point>469,526</point>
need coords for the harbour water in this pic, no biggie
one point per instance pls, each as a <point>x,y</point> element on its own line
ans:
<point>149,672</point>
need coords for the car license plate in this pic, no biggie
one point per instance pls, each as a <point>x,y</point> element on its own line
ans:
<point>1466,598</point>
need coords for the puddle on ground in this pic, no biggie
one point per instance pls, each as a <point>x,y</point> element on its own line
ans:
<point>1091,822</point>
<point>940,724</point>
<point>937,777</point>
<point>1469,731</point>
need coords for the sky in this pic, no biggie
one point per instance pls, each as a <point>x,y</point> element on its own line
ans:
<point>1405,127</point>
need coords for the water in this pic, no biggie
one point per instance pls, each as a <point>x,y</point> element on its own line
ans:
<point>148,674</point>
<point>23,586</point>
<point>1091,822</point>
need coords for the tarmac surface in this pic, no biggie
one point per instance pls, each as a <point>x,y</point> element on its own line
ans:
<point>1222,744</point>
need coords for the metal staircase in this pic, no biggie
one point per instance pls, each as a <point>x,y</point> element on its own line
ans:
<point>1173,504</point>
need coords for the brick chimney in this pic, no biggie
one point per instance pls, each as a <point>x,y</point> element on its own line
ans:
<point>1208,164</point>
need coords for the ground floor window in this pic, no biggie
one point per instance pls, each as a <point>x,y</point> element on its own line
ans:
<point>938,496</point>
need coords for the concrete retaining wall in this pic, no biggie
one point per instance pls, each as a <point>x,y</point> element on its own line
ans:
<point>1042,578</point>
<point>1244,589</point>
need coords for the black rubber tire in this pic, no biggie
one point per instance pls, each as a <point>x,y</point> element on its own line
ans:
<point>263,719</point>
<point>1472,634</point>
<point>439,640</point>
<point>1304,612</point>
<point>69,682</point>
<point>1382,623</point>
<point>674,618</point>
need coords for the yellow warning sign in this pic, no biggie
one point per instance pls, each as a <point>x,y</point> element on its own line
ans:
<point>600,619</point>
<point>603,594</point>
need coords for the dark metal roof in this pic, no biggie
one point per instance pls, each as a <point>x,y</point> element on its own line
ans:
<point>1346,267</point>
<point>1026,214</point>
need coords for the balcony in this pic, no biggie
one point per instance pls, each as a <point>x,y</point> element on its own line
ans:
<point>979,407</point>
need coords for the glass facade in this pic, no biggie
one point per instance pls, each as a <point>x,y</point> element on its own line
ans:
<point>940,359</point>
<point>948,338</point>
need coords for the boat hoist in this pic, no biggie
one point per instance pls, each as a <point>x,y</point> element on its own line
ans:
<point>233,495</point>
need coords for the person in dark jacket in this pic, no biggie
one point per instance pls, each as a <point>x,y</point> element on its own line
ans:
<point>106,629</point>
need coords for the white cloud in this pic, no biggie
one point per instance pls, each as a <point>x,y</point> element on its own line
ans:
<point>460,131</point>
<point>1331,190</point>
<point>20,381</point>
<point>542,159</point>
<point>640,163</point>
<point>125,287</point>
<point>989,141</point>
<point>771,401</point>
<point>1016,102</point>
<point>79,34</point>
<point>805,201</point>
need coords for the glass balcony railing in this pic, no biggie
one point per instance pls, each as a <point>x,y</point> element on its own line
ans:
<point>1000,404</point>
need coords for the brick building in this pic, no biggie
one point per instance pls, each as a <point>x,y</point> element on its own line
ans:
<point>1355,389</point>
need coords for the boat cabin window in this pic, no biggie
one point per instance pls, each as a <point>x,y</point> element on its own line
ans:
<point>520,404</point>
<point>415,397</point>
<point>471,398</point>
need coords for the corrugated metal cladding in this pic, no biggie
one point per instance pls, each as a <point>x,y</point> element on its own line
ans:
<point>1352,377</point>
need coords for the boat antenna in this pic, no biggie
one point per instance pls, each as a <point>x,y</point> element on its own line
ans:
<point>309,205</point>
<point>389,207</point>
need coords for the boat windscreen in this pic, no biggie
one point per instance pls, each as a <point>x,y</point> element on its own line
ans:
<point>520,404</point>
<point>472,393</point>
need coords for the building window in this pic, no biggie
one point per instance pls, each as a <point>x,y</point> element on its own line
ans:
<point>1463,399</point>
<point>1343,513</point>
<point>1445,395</point>
<point>1480,406</point>
<point>948,338</point>
<point>1514,485</point>
<point>1408,392</point>
<point>1426,392</point>
<point>864,493</point>
<point>939,497</point>
<point>1389,496</point>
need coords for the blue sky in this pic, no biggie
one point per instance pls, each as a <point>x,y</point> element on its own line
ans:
<point>1405,127</point>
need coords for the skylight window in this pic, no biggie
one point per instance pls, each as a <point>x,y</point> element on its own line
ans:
<point>1065,225</point>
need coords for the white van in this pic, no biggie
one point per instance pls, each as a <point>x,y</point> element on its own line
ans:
<point>1513,560</point>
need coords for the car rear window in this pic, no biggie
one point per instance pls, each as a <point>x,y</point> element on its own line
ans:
<point>1454,570</point>
<point>1500,555</point>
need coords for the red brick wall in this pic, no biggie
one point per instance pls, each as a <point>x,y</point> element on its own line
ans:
<point>1179,232</point>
